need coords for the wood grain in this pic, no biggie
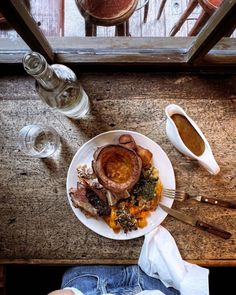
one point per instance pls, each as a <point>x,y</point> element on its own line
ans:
<point>37,224</point>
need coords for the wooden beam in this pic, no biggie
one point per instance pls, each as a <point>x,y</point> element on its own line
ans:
<point>217,27</point>
<point>109,51</point>
<point>60,262</point>
<point>20,19</point>
<point>122,51</point>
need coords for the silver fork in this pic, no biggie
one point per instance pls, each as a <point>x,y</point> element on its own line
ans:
<point>180,195</point>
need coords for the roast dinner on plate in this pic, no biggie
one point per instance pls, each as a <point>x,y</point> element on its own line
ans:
<point>121,186</point>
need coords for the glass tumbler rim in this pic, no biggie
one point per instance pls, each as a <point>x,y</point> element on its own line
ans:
<point>22,140</point>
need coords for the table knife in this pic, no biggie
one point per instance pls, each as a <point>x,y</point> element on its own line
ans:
<point>196,222</point>
<point>214,201</point>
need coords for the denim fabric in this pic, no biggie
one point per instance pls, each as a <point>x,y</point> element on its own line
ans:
<point>117,280</point>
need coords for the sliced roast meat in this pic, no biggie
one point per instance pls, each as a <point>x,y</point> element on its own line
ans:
<point>80,200</point>
<point>97,198</point>
<point>90,200</point>
<point>101,206</point>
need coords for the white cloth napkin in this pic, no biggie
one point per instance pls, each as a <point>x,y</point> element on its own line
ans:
<point>160,258</point>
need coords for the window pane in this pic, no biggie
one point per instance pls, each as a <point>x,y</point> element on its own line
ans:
<point>170,14</point>
<point>9,40</point>
<point>6,30</point>
<point>60,18</point>
<point>48,14</point>
<point>152,27</point>
<point>64,18</point>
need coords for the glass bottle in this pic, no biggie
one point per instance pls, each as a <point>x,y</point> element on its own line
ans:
<point>57,86</point>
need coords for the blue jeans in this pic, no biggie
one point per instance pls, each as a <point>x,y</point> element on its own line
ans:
<point>117,280</point>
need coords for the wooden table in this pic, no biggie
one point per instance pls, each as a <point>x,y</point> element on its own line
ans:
<point>37,225</point>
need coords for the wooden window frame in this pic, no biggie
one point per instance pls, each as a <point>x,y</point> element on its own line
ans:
<point>206,51</point>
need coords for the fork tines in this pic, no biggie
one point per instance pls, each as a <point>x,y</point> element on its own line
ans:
<point>174,194</point>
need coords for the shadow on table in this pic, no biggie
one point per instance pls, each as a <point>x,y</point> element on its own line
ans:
<point>62,157</point>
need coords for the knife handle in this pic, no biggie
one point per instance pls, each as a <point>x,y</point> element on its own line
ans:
<point>213,229</point>
<point>223,203</point>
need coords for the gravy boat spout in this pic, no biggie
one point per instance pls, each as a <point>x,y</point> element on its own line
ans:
<point>208,161</point>
<point>187,137</point>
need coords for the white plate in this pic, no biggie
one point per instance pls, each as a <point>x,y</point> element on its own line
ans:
<point>160,160</point>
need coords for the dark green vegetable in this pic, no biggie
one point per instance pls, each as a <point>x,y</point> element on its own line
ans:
<point>145,187</point>
<point>102,207</point>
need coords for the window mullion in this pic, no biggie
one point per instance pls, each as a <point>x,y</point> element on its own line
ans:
<point>221,23</point>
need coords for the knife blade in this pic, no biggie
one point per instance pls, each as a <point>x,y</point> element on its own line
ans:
<point>214,201</point>
<point>196,222</point>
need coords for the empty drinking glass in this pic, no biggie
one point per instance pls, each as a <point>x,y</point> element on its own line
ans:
<point>38,140</point>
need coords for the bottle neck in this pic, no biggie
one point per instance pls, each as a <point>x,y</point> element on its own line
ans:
<point>48,79</point>
<point>36,66</point>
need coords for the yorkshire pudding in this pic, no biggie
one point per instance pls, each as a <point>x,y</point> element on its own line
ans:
<point>116,167</point>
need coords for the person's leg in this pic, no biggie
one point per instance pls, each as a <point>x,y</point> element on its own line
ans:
<point>114,279</point>
<point>102,279</point>
<point>84,278</point>
<point>149,283</point>
<point>122,280</point>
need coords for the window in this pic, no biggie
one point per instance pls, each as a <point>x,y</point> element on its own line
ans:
<point>209,49</point>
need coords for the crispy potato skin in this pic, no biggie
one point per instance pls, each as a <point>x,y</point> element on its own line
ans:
<point>127,141</point>
<point>145,155</point>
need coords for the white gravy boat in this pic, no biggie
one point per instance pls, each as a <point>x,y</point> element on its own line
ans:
<point>206,159</point>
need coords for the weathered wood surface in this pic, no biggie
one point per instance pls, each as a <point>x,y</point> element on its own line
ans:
<point>134,51</point>
<point>37,224</point>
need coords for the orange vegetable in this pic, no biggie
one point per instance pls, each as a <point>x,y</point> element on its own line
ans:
<point>140,214</point>
<point>114,225</point>
<point>142,222</point>
<point>134,210</point>
<point>143,214</point>
<point>111,220</point>
<point>158,190</point>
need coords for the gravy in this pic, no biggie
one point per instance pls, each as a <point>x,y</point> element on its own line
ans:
<point>189,135</point>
